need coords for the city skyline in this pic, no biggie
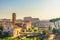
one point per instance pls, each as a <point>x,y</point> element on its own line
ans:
<point>42,9</point>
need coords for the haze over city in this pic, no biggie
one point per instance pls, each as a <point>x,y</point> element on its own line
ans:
<point>29,19</point>
<point>43,9</point>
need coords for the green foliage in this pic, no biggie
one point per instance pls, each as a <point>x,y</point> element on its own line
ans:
<point>1,31</point>
<point>29,30</point>
<point>55,19</point>
<point>32,27</point>
<point>43,32</point>
<point>1,27</point>
<point>38,36</point>
<point>54,31</point>
<point>7,34</point>
<point>35,30</point>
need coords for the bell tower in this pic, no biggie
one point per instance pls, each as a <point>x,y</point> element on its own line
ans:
<point>14,18</point>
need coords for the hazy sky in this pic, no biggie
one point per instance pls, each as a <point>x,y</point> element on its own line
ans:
<point>43,9</point>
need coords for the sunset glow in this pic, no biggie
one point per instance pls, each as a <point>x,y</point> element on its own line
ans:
<point>43,9</point>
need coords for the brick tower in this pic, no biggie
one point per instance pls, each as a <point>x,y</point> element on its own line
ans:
<point>14,18</point>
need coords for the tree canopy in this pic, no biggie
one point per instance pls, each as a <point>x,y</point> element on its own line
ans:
<point>55,19</point>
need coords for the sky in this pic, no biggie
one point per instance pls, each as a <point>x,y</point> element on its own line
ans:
<point>42,9</point>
